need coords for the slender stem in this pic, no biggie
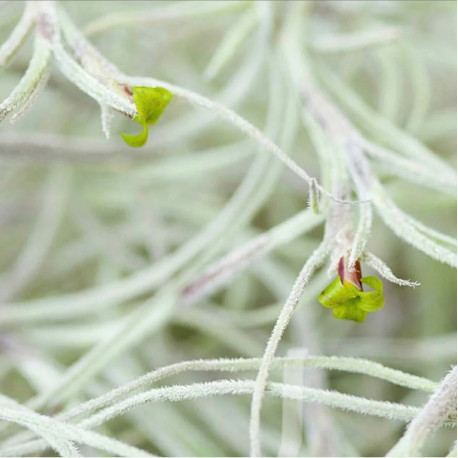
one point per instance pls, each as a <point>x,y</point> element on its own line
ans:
<point>282,322</point>
<point>440,405</point>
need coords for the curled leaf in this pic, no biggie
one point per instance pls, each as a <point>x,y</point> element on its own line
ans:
<point>348,302</point>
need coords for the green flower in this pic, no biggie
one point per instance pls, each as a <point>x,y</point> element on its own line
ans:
<point>348,302</point>
<point>151,103</point>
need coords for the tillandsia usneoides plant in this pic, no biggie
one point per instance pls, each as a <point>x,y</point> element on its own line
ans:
<point>206,243</point>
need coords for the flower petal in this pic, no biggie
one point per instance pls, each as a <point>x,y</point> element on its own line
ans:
<point>372,300</point>
<point>348,302</point>
<point>136,140</point>
<point>350,311</point>
<point>337,294</point>
<point>151,103</point>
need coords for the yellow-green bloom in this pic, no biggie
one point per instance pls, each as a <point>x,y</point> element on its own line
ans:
<point>347,299</point>
<point>151,103</point>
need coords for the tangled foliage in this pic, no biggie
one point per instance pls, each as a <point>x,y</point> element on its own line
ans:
<point>306,142</point>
